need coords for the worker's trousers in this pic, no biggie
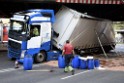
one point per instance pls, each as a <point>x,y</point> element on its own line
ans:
<point>68,60</point>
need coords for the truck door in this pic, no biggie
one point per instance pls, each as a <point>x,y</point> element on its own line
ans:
<point>46,32</point>
<point>35,37</point>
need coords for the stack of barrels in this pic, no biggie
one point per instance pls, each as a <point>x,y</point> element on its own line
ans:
<point>80,62</point>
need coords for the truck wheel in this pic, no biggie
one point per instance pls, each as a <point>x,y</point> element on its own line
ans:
<point>40,57</point>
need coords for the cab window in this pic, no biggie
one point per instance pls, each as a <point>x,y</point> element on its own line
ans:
<point>34,30</point>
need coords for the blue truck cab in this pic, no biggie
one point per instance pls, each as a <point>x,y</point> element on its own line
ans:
<point>30,34</point>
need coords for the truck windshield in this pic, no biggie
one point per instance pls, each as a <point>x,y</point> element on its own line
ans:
<point>18,26</point>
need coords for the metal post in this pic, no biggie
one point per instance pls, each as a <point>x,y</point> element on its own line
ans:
<point>101,44</point>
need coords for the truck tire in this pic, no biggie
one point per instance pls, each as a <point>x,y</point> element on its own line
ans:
<point>40,57</point>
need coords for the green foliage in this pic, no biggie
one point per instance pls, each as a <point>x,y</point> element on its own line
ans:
<point>118,25</point>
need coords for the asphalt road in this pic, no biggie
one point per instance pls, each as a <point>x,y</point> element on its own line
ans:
<point>5,62</point>
<point>40,73</point>
<point>119,48</point>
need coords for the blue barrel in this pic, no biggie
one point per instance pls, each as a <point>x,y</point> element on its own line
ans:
<point>75,62</point>
<point>96,62</point>
<point>83,64</point>
<point>27,63</point>
<point>90,64</point>
<point>61,61</point>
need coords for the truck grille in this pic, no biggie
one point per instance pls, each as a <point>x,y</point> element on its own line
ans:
<point>14,45</point>
<point>14,53</point>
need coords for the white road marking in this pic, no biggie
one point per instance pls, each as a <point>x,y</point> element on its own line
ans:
<point>13,69</point>
<point>76,74</point>
<point>39,70</point>
<point>6,70</point>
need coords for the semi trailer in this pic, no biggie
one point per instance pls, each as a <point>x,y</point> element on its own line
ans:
<point>52,32</point>
<point>83,31</point>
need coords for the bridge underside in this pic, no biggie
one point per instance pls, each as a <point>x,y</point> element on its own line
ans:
<point>113,12</point>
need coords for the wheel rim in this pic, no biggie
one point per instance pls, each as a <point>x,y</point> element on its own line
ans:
<point>40,57</point>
